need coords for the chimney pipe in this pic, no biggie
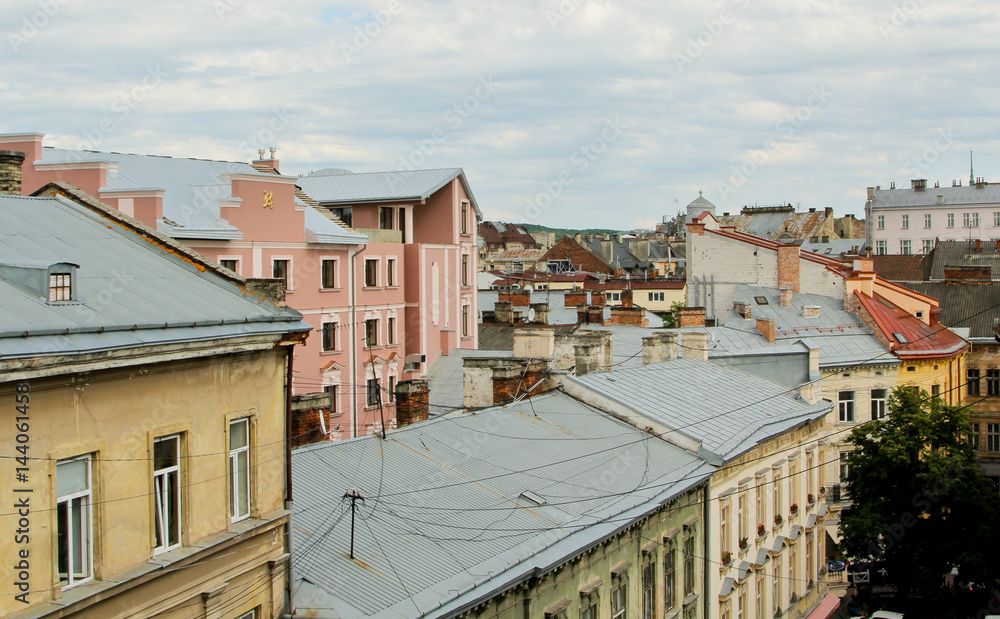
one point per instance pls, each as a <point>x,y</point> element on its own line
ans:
<point>10,171</point>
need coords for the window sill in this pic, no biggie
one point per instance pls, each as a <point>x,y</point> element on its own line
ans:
<point>331,352</point>
<point>331,289</point>
<point>393,287</point>
<point>372,288</point>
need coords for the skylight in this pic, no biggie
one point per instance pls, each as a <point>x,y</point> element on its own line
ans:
<point>900,338</point>
<point>760,300</point>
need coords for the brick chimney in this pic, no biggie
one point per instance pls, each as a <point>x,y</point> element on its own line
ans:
<point>599,298</point>
<point>634,316</point>
<point>10,171</point>
<point>412,401</point>
<point>271,163</point>
<point>541,313</point>
<point>503,312</point>
<point>788,266</point>
<point>595,315</point>
<point>691,317</point>
<point>520,298</point>
<point>766,328</point>
<point>696,345</point>
<point>575,298</point>
<point>980,274</point>
<point>311,419</point>
<point>627,298</point>
<point>785,295</point>
<point>743,308</point>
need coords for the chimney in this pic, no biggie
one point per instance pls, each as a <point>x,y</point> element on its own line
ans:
<point>271,163</point>
<point>520,298</point>
<point>515,380</point>
<point>640,249</point>
<point>634,316</point>
<point>582,312</point>
<point>575,298</point>
<point>766,327</point>
<point>541,313</point>
<point>10,172</point>
<point>627,298</point>
<point>659,347</point>
<point>810,311</point>
<point>691,317</point>
<point>669,345</point>
<point>588,358</point>
<point>785,295</point>
<point>826,238</point>
<point>918,184</point>
<point>534,343</point>
<point>595,315</point>
<point>788,266</point>
<point>696,345</point>
<point>270,289</point>
<point>598,298</point>
<point>311,419</point>
<point>412,401</point>
<point>503,312</point>
<point>607,253</point>
<point>743,309</point>
<point>980,273</point>
<point>979,245</point>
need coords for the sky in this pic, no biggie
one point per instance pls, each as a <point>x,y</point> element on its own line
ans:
<point>566,113</point>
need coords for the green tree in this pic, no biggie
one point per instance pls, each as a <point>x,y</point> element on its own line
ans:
<point>670,318</point>
<point>920,503</point>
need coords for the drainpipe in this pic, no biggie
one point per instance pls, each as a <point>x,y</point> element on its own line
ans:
<point>704,536</point>
<point>288,473</point>
<point>354,344</point>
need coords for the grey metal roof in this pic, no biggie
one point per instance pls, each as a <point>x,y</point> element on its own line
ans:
<point>463,507</point>
<point>192,190</point>
<point>131,291</point>
<point>986,195</point>
<point>833,247</point>
<point>446,378</point>
<point>727,410</point>
<point>963,253</point>
<point>379,186</point>
<point>973,306</point>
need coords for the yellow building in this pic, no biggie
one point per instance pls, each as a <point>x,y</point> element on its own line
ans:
<point>146,397</point>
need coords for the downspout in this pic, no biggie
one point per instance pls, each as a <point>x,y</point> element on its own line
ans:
<point>704,536</point>
<point>353,348</point>
<point>289,604</point>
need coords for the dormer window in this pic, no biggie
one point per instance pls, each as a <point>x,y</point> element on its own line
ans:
<point>60,287</point>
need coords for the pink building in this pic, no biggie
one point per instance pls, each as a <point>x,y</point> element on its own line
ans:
<point>384,298</point>
<point>909,220</point>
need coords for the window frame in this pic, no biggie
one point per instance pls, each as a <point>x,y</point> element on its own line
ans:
<point>84,500</point>
<point>690,574</point>
<point>880,222</point>
<point>384,222</point>
<point>287,278</point>
<point>881,247</point>
<point>466,317</point>
<point>656,296</point>
<point>992,382</point>
<point>329,274</point>
<point>390,331</point>
<point>846,408</point>
<point>972,381</point>
<point>329,342</point>
<point>906,247</point>
<point>235,259</point>
<point>465,213</point>
<point>669,573</point>
<point>993,438</point>
<point>61,287</point>
<point>878,404</point>
<point>905,222</point>
<point>391,280</point>
<point>371,333</point>
<point>619,596</point>
<point>371,392</point>
<point>928,220</point>
<point>647,578</point>
<point>234,462</point>
<point>161,501</point>
<point>465,270</point>
<point>371,272</point>
<point>951,220</point>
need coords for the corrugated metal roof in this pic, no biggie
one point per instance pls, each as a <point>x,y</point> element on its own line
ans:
<point>452,513</point>
<point>130,291</point>
<point>972,306</point>
<point>377,186</point>
<point>963,253</point>
<point>446,377</point>
<point>688,396</point>
<point>986,195</point>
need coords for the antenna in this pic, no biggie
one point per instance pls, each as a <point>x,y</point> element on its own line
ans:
<point>355,496</point>
<point>972,179</point>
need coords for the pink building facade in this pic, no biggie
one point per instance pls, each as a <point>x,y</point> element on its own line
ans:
<point>910,220</point>
<point>384,299</point>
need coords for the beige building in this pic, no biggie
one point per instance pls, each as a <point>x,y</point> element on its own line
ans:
<point>150,394</point>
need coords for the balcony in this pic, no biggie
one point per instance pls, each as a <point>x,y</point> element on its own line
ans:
<point>377,235</point>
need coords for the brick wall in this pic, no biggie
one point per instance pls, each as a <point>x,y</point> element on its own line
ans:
<point>634,316</point>
<point>515,380</point>
<point>412,401</point>
<point>691,317</point>
<point>599,298</point>
<point>788,267</point>
<point>520,298</point>
<point>968,273</point>
<point>575,298</point>
<point>10,172</point>
<point>306,411</point>
<point>628,299</point>
<point>269,289</point>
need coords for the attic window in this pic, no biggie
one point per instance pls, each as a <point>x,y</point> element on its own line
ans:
<point>900,338</point>
<point>918,314</point>
<point>60,287</point>
<point>760,300</point>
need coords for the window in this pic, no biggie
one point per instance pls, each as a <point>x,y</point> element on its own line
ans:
<point>279,270</point>
<point>615,296</point>
<point>996,218</point>
<point>810,567</point>
<point>232,265</point>
<point>993,437</point>
<point>239,469</point>
<point>656,296</point>
<point>619,598</point>
<point>465,269</point>
<point>588,606</point>
<point>60,287</point>
<point>906,222</point>
<point>371,392</point>
<point>385,214</point>
<point>669,574</point>
<point>724,527</point>
<point>906,247</point>
<point>881,247</point>
<point>371,332</point>
<point>390,272</point>
<point>331,390</point>
<point>878,403</point>
<point>758,491</point>
<point>777,492</point>
<point>776,585</point>
<point>392,389</point>
<point>167,492</point>
<point>345,214</point>
<point>951,220</point>
<point>465,217</point>
<point>809,472</point>
<point>793,481</point>
<point>689,574</point>
<point>928,246</point>
<point>741,514</point>
<point>935,390</point>
<point>845,405</point>
<point>759,587</point>
<point>649,587</point>
<point>402,224</point>
<point>390,328</point>
<point>927,220</point>
<point>330,336</point>
<point>992,382</point>
<point>844,469</point>
<point>741,605</point>
<point>975,220</point>
<point>792,560</point>
<point>74,530</point>
<point>881,222</point>
<point>973,437</point>
<point>972,381</point>
<point>371,272</point>
<point>466,327</point>
<point>251,614</point>
<point>328,274</point>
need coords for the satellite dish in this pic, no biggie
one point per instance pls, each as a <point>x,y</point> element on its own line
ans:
<point>531,314</point>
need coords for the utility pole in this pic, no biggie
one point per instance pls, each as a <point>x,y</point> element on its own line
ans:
<point>354,496</point>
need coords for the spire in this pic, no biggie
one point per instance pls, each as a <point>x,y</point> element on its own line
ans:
<point>972,179</point>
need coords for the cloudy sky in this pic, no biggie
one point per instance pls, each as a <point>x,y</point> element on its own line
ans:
<point>569,113</point>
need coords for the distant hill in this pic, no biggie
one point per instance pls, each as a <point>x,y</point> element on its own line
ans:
<point>561,232</point>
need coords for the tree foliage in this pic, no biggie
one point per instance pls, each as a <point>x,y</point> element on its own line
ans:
<point>920,503</point>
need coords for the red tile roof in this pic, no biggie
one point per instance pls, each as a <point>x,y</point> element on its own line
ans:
<point>909,337</point>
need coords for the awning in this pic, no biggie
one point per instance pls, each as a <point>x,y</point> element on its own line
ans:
<point>744,568</point>
<point>762,556</point>
<point>779,542</point>
<point>795,532</point>
<point>727,588</point>
<point>810,522</point>
<point>826,608</point>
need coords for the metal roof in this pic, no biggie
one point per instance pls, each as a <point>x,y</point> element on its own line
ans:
<point>380,186</point>
<point>131,290</point>
<point>687,395</point>
<point>963,253</point>
<point>972,305</point>
<point>987,194</point>
<point>559,314</point>
<point>446,378</point>
<point>465,506</point>
<point>192,191</point>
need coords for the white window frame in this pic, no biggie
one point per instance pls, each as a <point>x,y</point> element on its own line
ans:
<point>996,218</point>
<point>847,408</point>
<point>881,247</point>
<point>391,276</point>
<point>928,245</point>
<point>881,222</point>
<point>951,220</point>
<point>928,220</point>
<point>164,511</point>
<point>237,489</point>
<point>466,261</point>
<point>376,260</point>
<point>81,503</point>
<point>336,272</point>
<point>237,259</point>
<point>906,247</point>
<point>906,222</point>
<point>368,341</point>
<point>333,325</point>
<point>878,404</point>
<point>656,296</point>
<point>614,295</point>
